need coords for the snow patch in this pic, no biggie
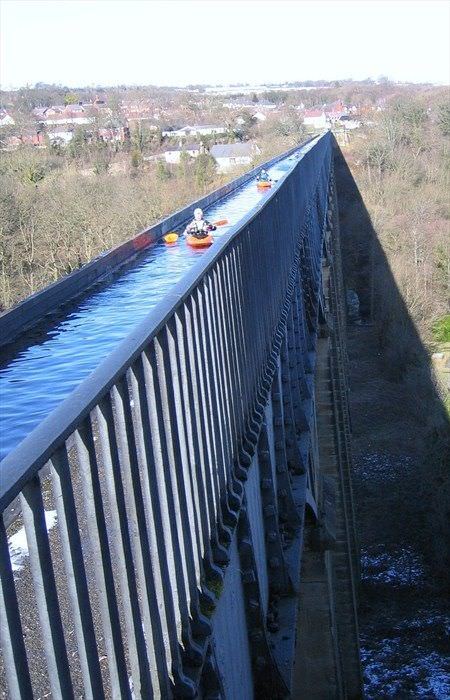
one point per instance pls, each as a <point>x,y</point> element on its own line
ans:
<point>400,567</point>
<point>381,467</point>
<point>406,665</point>
<point>423,677</point>
<point>17,543</point>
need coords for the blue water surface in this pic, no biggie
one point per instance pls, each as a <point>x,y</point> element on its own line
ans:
<point>41,376</point>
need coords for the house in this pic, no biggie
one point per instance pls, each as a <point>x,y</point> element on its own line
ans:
<point>348,123</point>
<point>39,113</point>
<point>229,155</point>
<point>60,134</point>
<point>173,155</point>
<point>56,115</point>
<point>335,111</point>
<point>200,130</point>
<point>117,134</point>
<point>315,117</point>
<point>5,118</point>
<point>30,138</point>
<point>135,111</point>
<point>246,103</point>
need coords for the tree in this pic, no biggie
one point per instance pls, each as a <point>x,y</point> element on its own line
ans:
<point>205,169</point>
<point>141,137</point>
<point>136,159</point>
<point>278,97</point>
<point>163,172</point>
<point>411,114</point>
<point>102,156</point>
<point>78,146</point>
<point>444,118</point>
<point>70,98</point>
<point>185,165</point>
<point>244,130</point>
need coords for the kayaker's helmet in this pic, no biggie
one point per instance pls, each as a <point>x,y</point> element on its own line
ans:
<point>198,214</point>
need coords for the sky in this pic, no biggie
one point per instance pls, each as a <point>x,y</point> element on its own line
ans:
<point>180,42</point>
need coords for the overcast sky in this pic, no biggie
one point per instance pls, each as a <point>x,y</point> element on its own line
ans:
<point>111,42</point>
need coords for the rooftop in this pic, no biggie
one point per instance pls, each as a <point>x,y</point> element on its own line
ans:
<point>232,150</point>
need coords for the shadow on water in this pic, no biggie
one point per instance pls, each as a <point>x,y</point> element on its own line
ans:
<point>401,436</point>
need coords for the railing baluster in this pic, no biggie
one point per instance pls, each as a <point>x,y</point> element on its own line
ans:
<point>233,342</point>
<point>213,386</point>
<point>177,427</point>
<point>202,416</point>
<point>76,574</point>
<point>170,464</point>
<point>194,438</point>
<point>193,431</point>
<point>232,378</point>
<point>223,359</point>
<point>209,389</point>
<point>142,380</point>
<point>33,514</point>
<point>11,635</point>
<point>242,359</point>
<point>140,534</point>
<point>120,537</point>
<point>101,561</point>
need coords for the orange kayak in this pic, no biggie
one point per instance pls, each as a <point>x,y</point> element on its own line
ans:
<point>199,242</point>
<point>263,184</point>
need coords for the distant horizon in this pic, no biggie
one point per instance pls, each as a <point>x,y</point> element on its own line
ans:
<point>155,42</point>
<point>251,87</point>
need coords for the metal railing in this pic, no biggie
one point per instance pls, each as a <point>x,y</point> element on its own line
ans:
<point>144,464</point>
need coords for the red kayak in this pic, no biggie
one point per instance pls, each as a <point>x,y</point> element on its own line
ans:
<point>195,242</point>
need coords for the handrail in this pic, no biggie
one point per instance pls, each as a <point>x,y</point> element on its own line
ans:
<point>147,457</point>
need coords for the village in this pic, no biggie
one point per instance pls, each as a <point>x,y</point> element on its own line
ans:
<point>230,127</point>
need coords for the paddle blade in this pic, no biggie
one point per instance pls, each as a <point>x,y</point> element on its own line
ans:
<point>170,238</point>
<point>222,222</point>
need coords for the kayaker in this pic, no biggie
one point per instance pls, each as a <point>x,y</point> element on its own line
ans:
<point>263,176</point>
<point>199,227</point>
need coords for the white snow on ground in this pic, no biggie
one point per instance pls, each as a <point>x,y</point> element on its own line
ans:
<point>389,672</point>
<point>400,567</point>
<point>425,618</point>
<point>17,543</point>
<point>381,467</point>
<point>438,669</point>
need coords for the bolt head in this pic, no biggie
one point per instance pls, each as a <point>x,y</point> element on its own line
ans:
<point>256,635</point>
<point>248,576</point>
<point>260,663</point>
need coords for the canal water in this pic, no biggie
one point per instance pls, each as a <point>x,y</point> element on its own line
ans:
<point>41,375</point>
